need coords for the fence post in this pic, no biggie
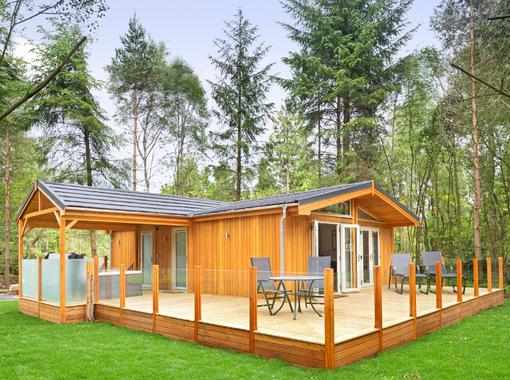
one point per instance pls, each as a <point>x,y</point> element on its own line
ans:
<point>96,278</point>
<point>459,281</point>
<point>253,307</point>
<point>489,275</point>
<point>475,277</point>
<point>378,303</point>
<point>500,270</point>
<point>412,290</point>
<point>155,295</point>
<point>39,288</point>
<point>198,299</point>
<point>122,286</point>
<point>329,319</point>
<point>439,285</point>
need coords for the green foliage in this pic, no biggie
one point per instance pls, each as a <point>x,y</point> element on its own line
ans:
<point>239,92</point>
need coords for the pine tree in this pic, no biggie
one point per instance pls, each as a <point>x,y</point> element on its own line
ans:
<point>134,74</point>
<point>239,92</point>
<point>77,142</point>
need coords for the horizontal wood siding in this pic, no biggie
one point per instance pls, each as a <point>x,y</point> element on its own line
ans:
<point>50,312</point>
<point>29,307</point>
<point>223,337</point>
<point>108,314</point>
<point>356,349</point>
<point>174,328</point>
<point>398,334</point>
<point>75,314</point>
<point>136,320</point>
<point>428,323</point>
<point>451,315</point>
<point>293,351</point>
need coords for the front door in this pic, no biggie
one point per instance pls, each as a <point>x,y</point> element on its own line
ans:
<point>180,258</point>
<point>147,258</point>
<point>370,254</point>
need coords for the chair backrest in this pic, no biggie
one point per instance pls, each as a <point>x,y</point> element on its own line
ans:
<point>400,263</point>
<point>429,259</point>
<point>316,266</point>
<point>263,265</point>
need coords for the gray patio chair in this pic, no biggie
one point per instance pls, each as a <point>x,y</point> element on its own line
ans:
<point>268,287</point>
<point>400,269</point>
<point>315,289</point>
<point>429,259</point>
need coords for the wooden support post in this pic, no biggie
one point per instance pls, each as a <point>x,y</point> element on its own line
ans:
<point>155,295</point>
<point>459,281</point>
<point>88,289</point>
<point>378,303</point>
<point>439,285</point>
<point>39,287</point>
<point>62,271</point>
<point>253,307</point>
<point>475,277</point>
<point>329,319</point>
<point>500,272</point>
<point>122,286</point>
<point>96,279</point>
<point>489,275</point>
<point>198,298</point>
<point>412,290</point>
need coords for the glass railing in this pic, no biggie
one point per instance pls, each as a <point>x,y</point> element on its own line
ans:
<point>29,278</point>
<point>50,280</point>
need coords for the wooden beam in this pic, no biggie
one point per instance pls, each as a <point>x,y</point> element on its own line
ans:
<point>198,299</point>
<point>24,227</point>
<point>306,209</point>
<point>329,319</point>
<point>39,288</point>
<point>124,217</point>
<point>62,272</point>
<point>412,290</point>
<point>475,277</point>
<point>40,212</point>
<point>459,281</point>
<point>378,311</point>
<point>395,206</point>
<point>59,220</point>
<point>253,307</point>
<point>489,275</point>
<point>71,224</point>
<point>20,258</point>
<point>439,285</point>
<point>354,211</point>
<point>500,272</point>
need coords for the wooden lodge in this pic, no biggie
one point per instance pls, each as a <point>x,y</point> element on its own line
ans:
<point>180,267</point>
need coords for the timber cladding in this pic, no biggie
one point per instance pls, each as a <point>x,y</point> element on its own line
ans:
<point>356,349</point>
<point>398,334</point>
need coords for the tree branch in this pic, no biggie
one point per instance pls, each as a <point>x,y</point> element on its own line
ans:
<point>34,90</point>
<point>498,90</point>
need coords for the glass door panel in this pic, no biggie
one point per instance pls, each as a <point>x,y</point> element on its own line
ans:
<point>147,258</point>
<point>349,258</point>
<point>365,251</point>
<point>180,259</point>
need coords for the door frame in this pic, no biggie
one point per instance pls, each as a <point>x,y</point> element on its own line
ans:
<point>174,267</point>
<point>142,234</point>
<point>370,231</point>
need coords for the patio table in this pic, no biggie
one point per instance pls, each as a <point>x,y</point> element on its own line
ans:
<point>298,281</point>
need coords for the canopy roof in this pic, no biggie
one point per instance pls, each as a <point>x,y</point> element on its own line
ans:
<point>80,198</point>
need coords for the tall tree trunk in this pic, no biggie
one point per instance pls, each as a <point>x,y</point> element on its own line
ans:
<point>474,137</point>
<point>88,173</point>
<point>319,144</point>
<point>458,215</point>
<point>134,100</point>
<point>7,237</point>
<point>346,134</point>
<point>338,134</point>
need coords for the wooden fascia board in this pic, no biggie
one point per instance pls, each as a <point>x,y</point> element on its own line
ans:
<point>33,191</point>
<point>395,206</point>
<point>126,218</point>
<point>277,209</point>
<point>306,209</point>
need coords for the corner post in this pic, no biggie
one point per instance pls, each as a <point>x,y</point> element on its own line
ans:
<point>155,295</point>
<point>62,224</point>
<point>378,309</point>
<point>329,319</point>
<point>500,270</point>
<point>475,277</point>
<point>198,299</point>
<point>439,285</point>
<point>253,307</point>
<point>489,275</point>
<point>412,290</point>
<point>459,281</point>
<point>20,259</point>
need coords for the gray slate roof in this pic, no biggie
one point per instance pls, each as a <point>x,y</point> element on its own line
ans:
<point>85,197</point>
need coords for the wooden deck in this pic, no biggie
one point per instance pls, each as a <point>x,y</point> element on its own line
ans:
<point>354,312</point>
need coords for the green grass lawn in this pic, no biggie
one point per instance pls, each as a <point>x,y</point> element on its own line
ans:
<point>476,348</point>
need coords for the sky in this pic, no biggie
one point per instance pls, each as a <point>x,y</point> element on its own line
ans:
<point>188,28</point>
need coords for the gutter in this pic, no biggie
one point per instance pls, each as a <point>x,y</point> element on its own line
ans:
<point>282,236</point>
